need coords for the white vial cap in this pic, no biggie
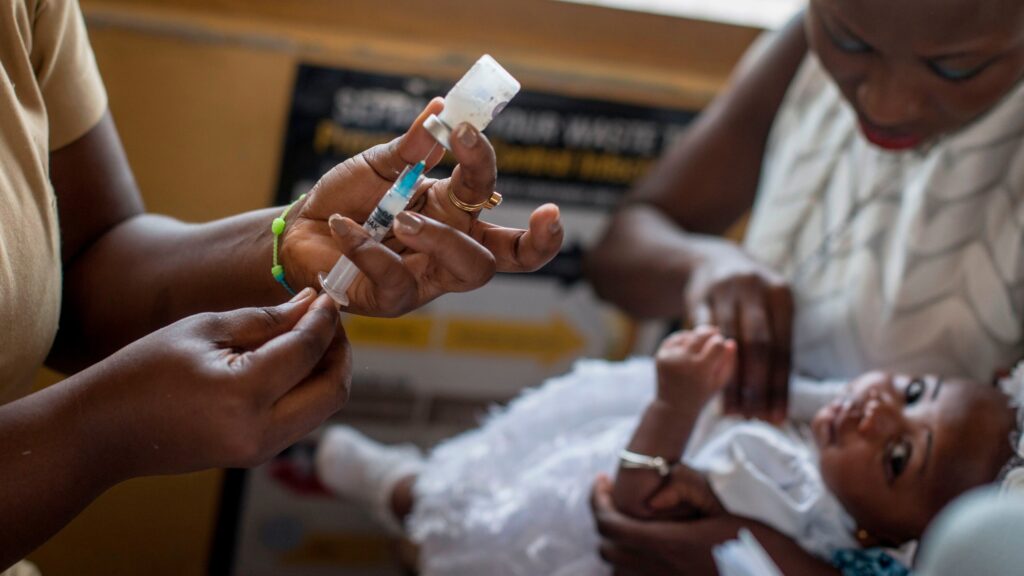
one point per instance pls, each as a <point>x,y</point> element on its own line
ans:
<point>476,98</point>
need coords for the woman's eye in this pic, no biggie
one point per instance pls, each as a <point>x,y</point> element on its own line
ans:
<point>897,458</point>
<point>846,41</point>
<point>914,391</point>
<point>955,73</point>
<point>851,45</point>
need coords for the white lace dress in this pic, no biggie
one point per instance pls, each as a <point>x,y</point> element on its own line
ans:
<point>512,497</point>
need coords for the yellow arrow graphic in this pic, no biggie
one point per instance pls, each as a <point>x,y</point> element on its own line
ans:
<point>407,332</point>
<point>548,341</point>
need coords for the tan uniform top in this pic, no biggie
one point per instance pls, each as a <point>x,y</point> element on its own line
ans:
<point>50,94</point>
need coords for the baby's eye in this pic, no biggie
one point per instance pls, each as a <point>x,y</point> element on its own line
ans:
<point>914,391</point>
<point>896,458</point>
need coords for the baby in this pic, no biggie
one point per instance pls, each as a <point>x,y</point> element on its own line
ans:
<point>873,467</point>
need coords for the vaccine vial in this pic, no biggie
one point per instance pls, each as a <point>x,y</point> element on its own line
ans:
<point>476,98</point>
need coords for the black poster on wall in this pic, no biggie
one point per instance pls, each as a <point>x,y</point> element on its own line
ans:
<point>550,148</point>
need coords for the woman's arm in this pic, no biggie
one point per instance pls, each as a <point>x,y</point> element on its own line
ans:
<point>700,187</point>
<point>658,257</point>
<point>53,462</point>
<point>128,272</point>
<point>213,390</point>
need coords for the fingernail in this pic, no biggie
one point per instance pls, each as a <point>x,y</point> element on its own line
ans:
<point>467,135</point>
<point>302,295</point>
<point>408,223</point>
<point>555,227</point>
<point>324,301</point>
<point>337,224</point>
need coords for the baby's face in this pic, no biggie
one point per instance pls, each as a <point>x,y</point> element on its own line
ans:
<point>895,449</point>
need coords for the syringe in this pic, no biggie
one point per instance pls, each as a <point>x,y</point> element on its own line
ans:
<point>337,282</point>
<point>475,99</point>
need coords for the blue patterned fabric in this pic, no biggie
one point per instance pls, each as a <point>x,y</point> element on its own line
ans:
<point>867,562</point>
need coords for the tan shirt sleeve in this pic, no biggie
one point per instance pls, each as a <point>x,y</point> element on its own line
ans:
<point>66,71</point>
<point>23,568</point>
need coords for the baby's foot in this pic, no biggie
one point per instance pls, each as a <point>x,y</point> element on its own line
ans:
<point>365,471</point>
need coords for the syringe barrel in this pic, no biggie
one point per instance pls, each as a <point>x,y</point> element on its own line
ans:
<point>339,279</point>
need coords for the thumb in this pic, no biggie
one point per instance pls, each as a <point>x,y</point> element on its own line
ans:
<point>250,328</point>
<point>665,499</point>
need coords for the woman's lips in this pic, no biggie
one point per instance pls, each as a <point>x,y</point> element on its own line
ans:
<point>888,139</point>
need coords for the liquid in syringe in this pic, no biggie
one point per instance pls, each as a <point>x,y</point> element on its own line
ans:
<point>337,282</point>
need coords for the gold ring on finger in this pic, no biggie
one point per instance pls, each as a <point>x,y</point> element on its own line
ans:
<point>492,202</point>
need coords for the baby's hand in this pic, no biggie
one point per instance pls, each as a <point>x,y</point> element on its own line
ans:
<point>693,366</point>
<point>686,496</point>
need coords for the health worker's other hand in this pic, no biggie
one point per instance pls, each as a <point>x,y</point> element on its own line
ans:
<point>434,247</point>
<point>227,389</point>
<point>752,305</point>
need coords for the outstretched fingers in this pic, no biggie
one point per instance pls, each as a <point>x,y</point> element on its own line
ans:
<point>453,261</point>
<point>518,250</point>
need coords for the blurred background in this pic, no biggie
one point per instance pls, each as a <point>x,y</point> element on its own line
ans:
<point>232,105</point>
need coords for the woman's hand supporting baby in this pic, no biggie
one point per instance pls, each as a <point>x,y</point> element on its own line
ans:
<point>692,368</point>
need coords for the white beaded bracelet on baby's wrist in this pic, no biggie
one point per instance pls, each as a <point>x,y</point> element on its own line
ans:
<point>632,460</point>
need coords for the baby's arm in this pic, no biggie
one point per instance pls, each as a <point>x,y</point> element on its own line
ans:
<point>692,367</point>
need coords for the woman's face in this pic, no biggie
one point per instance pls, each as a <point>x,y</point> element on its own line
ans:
<point>914,70</point>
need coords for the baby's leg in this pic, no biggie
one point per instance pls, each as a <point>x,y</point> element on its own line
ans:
<point>375,476</point>
<point>403,498</point>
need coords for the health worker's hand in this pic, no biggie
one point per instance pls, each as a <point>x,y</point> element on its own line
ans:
<point>227,389</point>
<point>434,247</point>
<point>753,306</point>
